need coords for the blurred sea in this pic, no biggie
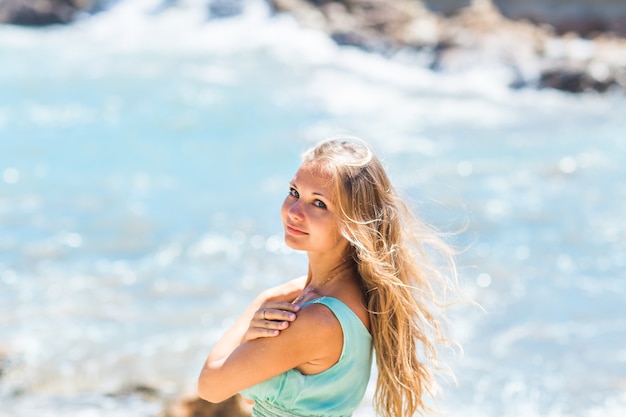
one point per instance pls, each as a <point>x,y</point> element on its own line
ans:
<point>144,155</point>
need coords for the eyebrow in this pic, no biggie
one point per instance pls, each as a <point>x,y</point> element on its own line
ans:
<point>317,193</point>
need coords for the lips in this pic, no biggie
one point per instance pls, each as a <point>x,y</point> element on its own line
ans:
<point>294,230</point>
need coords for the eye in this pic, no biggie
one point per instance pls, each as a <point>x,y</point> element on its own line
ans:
<point>320,204</point>
<point>293,192</point>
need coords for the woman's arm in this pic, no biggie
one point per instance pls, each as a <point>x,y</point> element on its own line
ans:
<point>314,339</point>
<point>268,314</point>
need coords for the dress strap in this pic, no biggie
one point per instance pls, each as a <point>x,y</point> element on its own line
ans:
<point>344,314</point>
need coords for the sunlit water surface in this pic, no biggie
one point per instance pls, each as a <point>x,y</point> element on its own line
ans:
<point>144,154</point>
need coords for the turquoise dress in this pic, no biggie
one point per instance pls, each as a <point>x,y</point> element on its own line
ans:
<point>336,392</point>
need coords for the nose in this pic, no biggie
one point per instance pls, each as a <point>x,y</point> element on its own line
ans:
<point>295,211</point>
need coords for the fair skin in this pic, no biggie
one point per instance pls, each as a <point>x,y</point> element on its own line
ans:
<point>267,340</point>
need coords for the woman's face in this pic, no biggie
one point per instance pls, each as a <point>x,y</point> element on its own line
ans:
<point>308,212</point>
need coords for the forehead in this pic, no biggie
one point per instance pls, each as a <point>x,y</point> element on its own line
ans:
<point>314,176</point>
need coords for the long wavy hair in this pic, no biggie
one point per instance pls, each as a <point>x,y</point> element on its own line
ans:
<point>404,288</point>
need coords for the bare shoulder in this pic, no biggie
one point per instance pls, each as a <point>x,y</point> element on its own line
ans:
<point>317,317</point>
<point>318,333</point>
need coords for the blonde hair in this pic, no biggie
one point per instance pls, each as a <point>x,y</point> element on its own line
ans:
<point>404,289</point>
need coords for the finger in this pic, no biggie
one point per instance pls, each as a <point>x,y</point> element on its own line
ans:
<point>273,325</point>
<point>272,314</point>
<point>281,305</point>
<point>258,332</point>
<point>261,314</point>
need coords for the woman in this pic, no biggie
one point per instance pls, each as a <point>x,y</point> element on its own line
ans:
<point>304,348</point>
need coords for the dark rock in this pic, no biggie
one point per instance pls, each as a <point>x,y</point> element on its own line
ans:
<point>582,17</point>
<point>573,81</point>
<point>41,12</point>
<point>446,7</point>
<point>579,16</point>
<point>143,391</point>
<point>350,39</point>
<point>471,36</point>
<point>235,406</point>
<point>225,8</point>
<point>35,13</point>
<point>373,25</point>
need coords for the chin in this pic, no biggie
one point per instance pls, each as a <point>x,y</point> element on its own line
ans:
<point>289,241</point>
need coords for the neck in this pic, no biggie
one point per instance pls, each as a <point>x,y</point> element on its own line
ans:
<point>323,272</point>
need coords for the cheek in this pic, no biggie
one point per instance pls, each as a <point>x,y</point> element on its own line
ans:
<point>330,226</point>
<point>284,209</point>
<point>337,233</point>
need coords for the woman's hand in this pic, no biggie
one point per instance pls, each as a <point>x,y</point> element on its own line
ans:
<point>270,319</point>
<point>276,311</point>
<point>271,312</point>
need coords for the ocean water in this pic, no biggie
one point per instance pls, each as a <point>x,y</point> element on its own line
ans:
<point>144,155</point>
